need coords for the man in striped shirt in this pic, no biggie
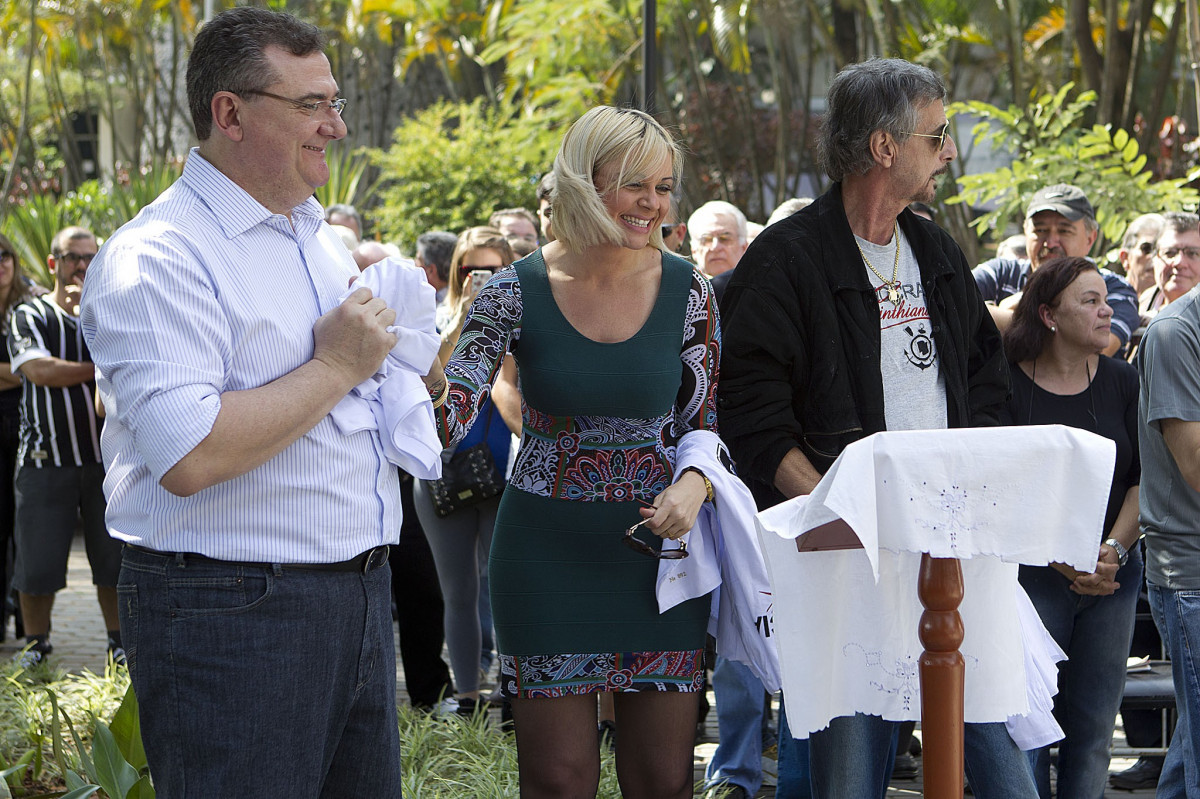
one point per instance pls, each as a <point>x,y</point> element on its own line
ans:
<point>60,475</point>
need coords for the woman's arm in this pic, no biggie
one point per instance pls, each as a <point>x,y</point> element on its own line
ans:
<point>506,396</point>
<point>1102,581</point>
<point>675,509</point>
<point>459,390</point>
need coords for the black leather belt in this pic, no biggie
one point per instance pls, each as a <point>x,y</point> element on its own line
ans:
<point>363,562</point>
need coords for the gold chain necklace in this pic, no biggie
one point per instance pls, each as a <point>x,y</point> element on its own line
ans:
<point>893,285</point>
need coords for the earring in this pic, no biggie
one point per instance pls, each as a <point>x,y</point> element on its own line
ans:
<point>1053,329</point>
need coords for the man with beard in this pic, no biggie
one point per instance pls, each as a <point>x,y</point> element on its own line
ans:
<point>1059,221</point>
<point>851,317</point>
<point>60,476</point>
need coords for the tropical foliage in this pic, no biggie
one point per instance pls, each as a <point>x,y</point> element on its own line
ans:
<point>741,80</point>
<point>452,165</point>
<point>1051,144</point>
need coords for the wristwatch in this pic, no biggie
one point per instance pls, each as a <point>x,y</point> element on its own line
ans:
<point>1122,552</point>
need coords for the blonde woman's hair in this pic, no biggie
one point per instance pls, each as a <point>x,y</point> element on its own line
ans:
<point>471,239</point>
<point>606,135</point>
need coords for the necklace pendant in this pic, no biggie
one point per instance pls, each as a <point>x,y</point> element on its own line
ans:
<point>894,296</point>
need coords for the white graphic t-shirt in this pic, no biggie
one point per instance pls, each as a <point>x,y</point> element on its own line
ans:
<point>914,393</point>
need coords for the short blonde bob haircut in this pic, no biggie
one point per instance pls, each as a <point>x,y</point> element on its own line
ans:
<point>471,239</point>
<point>603,136</point>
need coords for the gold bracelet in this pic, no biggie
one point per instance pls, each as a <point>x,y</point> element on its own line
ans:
<point>710,495</point>
<point>445,392</point>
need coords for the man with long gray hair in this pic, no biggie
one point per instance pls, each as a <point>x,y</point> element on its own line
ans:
<point>804,374</point>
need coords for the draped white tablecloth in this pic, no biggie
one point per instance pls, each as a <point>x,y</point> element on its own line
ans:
<point>846,620</point>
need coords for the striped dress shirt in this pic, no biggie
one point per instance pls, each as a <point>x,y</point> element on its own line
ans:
<point>206,291</point>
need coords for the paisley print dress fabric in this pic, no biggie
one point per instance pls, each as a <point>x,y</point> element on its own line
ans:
<point>575,610</point>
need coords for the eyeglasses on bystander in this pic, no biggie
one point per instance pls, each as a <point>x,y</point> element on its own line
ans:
<point>1192,253</point>
<point>76,258</point>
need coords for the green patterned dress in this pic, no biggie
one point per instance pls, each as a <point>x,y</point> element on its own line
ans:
<point>575,610</point>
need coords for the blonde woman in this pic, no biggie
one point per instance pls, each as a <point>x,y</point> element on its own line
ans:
<point>617,343</point>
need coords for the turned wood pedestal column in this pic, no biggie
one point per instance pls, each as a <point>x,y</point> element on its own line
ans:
<point>940,588</point>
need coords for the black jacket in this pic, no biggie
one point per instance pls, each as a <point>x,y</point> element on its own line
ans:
<point>801,354</point>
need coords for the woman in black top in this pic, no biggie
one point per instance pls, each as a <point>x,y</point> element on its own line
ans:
<point>1059,377</point>
<point>13,289</point>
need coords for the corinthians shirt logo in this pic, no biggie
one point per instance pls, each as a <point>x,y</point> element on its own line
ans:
<point>912,317</point>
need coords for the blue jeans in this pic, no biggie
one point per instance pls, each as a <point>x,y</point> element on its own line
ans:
<point>795,781</point>
<point>1095,632</point>
<point>1177,614</point>
<point>852,758</point>
<point>268,682</point>
<point>739,696</point>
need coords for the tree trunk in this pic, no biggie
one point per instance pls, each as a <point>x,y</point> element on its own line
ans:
<point>1141,12</point>
<point>1193,40</point>
<point>24,131</point>
<point>1167,65</point>
<point>1085,45</point>
<point>845,33</point>
<point>1016,58</point>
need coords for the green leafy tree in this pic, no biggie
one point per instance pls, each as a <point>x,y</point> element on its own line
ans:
<point>452,165</point>
<point>1050,145</point>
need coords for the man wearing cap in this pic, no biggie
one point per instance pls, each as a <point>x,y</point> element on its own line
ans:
<point>1059,221</point>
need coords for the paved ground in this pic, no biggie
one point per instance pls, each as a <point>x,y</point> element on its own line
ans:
<point>79,643</point>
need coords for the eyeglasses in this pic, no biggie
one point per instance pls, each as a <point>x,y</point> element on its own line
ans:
<point>941,136</point>
<point>312,108</point>
<point>1192,253</point>
<point>667,230</point>
<point>1146,247</point>
<point>76,258</point>
<point>5,255</point>
<point>638,545</point>
<point>706,241</point>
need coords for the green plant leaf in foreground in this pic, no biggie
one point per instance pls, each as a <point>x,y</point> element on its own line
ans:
<point>113,772</point>
<point>81,793</point>
<point>12,771</point>
<point>127,730</point>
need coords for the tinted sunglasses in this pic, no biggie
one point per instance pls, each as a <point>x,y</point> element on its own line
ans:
<point>640,546</point>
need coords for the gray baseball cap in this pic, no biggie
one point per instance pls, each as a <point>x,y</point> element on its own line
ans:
<point>1062,198</point>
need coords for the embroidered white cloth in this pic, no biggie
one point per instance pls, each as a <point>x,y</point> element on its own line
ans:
<point>394,400</point>
<point>724,557</point>
<point>846,620</point>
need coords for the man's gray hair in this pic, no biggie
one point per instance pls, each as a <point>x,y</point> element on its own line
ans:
<point>1151,224</point>
<point>436,248</point>
<point>1179,222</point>
<point>715,208</point>
<point>880,94</point>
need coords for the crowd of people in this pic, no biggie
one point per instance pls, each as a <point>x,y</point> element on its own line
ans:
<point>577,393</point>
